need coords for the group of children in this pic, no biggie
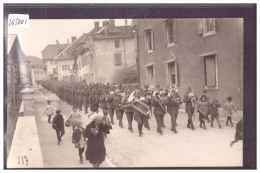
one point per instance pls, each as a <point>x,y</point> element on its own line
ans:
<point>204,108</point>
<point>90,138</point>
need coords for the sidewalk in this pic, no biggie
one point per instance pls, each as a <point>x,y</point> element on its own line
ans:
<point>54,155</point>
<point>25,151</point>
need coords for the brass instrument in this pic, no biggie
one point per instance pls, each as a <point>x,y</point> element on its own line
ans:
<point>124,102</point>
<point>160,103</point>
<point>138,104</point>
<point>177,100</point>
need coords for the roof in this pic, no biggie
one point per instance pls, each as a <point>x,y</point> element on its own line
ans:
<point>115,32</point>
<point>11,39</point>
<point>51,50</point>
<point>35,60</point>
<point>72,46</point>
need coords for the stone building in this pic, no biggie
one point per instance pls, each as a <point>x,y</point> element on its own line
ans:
<point>205,53</point>
<point>103,54</point>
<point>37,68</point>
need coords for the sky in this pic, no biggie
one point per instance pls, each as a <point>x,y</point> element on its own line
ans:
<point>46,31</point>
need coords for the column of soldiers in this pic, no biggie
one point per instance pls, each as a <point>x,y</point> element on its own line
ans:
<point>118,101</point>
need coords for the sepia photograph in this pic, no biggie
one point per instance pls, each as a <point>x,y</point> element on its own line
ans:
<point>124,92</point>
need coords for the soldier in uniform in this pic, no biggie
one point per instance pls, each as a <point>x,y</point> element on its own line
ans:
<point>173,103</point>
<point>102,101</point>
<point>189,99</point>
<point>110,105</point>
<point>128,109</point>
<point>79,97</point>
<point>138,116</point>
<point>118,108</point>
<point>86,98</point>
<point>159,110</point>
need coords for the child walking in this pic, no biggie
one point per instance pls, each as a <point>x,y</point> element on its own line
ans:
<point>214,111</point>
<point>58,125</point>
<point>203,110</point>
<point>228,108</point>
<point>75,117</point>
<point>49,110</point>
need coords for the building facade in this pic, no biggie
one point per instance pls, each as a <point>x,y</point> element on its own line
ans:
<point>48,56</point>
<point>205,53</point>
<point>105,53</point>
<point>37,68</point>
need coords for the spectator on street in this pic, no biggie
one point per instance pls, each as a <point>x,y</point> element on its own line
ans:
<point>214,111</point>
<point>203,110</point>
<point>96,151</point>
<point>75,117</point>
<point>58,125</point>
<point>228,108</point>
<point>49,110</point>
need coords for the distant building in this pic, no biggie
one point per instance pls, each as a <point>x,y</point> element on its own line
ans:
<point>48,55</point>
<point>37,68</point>
<point>103,54</point>
<point>205,53</point>
<point>65,63</point>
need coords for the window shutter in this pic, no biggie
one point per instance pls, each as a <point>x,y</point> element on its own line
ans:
<point>175,35</point>
<point>200,26</point>
<point>210,71</point>
<point>167,74</point>
<point>152,38</point>
<point>145,41</point>
<point>154,75</point>
<point>176,73</point>
<point>166,33</point>
<point>214,23</point>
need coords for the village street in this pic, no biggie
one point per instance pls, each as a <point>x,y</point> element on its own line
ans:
<point>125,149</point>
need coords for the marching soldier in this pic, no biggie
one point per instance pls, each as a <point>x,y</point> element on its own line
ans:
<point>138,116</point>
<point>79,98</point>
<point>128,109</point>
<point>110,105</point>
<point>159,110</point>
<point>118,108</point>
<point>189,98</point>
<point>173,103</point>
<point>86,98</point>
<point>103,103</point>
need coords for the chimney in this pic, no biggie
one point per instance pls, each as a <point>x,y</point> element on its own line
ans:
<point>57,42</point>
<point>73,39</point>
<point>111,24</point>
<point>105,23</point>
<point>96,25</point>
<point>126,22</point>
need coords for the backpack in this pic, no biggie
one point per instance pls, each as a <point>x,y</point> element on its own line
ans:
<point>76,135</point>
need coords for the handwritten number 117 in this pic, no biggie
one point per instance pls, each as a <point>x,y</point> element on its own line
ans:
<point>23,160</point>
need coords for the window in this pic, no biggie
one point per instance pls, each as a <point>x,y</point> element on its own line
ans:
<point>117,44</point>
<point>207,26</point>
<point>171,32</point>
<point>149,45</point>
<point>65,67</point>
<point>211,80</point>
<point>172,74</point>
<point>118,60</point>
<point>150,75</point>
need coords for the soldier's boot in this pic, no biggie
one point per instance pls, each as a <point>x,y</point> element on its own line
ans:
<point>219,125</point>
<point>227,121</point>
<point>188,124</point>
<point>140,130</point>
<point>204,125</point>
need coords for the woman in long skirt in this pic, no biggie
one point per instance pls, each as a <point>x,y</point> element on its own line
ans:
<point>96,151</point>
